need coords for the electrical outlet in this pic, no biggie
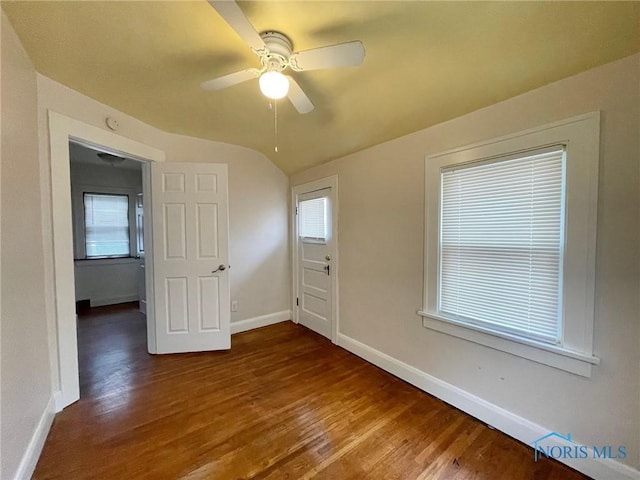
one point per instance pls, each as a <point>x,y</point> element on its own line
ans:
<point>234,306</point>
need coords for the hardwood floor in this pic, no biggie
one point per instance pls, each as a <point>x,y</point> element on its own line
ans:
<point>283,403</point>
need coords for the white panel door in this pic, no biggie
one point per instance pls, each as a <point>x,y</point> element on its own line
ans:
<point>191,256</point>
<point>314,261</point>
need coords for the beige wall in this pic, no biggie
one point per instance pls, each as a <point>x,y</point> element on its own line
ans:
<point>25,380</point>
<point>381,222</point>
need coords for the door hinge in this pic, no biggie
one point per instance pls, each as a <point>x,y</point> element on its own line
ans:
<point>297,302</point>
<point>296,210</point>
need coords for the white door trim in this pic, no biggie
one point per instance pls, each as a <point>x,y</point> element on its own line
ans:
<point>62,129</point>
<point>296,191</point>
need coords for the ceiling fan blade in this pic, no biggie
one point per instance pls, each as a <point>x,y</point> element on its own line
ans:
<point>350,54</point>
<point>298,98</point>
<point>230,11</point>
<point>231,79</point>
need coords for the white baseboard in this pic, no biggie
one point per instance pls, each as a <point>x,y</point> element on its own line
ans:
<point>32,453</point>
<point>513,425</point>
<point>100,302</point>
<point>262,321</point>
<point>58,401</point>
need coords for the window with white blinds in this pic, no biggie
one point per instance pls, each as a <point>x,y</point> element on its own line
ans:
<point>106,220</point>
<point>312,218</point>
<point>510,243</point>
<point>501,236</point>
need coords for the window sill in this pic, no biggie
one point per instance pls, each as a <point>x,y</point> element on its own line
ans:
<point>551,355</point>
<point>94,262</point>
<point>320,241</point>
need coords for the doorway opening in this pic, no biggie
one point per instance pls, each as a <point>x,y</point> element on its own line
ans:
<point>62,131</point>
<point>315,256</point>
<point>109,263</point>
<point>107,211</point>
<point>108,234</point>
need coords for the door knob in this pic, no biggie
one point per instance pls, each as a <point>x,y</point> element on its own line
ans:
<point>328,258</point>
<point>221,268</point>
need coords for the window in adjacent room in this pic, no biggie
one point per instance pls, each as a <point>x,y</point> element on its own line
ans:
<point>510,243</point>
<point>106,220</point>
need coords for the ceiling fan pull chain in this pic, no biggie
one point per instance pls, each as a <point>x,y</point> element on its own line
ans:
<point>275,123</point>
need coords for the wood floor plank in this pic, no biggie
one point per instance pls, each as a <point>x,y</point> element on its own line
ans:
<point>283,403</point>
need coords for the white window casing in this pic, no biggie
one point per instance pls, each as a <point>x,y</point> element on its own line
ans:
<point>510,234</point>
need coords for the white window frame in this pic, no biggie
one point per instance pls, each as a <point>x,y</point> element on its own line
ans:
<point>580,137</point>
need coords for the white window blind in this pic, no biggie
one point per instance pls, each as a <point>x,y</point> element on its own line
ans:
<point>501,233</point>
<point>106,220</point>
<point>312,218</point>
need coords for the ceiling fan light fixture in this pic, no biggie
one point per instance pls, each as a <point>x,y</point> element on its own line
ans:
<point>274,85</point>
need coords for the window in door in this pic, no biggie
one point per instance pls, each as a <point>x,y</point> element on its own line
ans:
<point>106,219</point>
<point>312,223</point>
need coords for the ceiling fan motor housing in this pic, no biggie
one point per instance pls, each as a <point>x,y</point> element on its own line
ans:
<point>279,49</point>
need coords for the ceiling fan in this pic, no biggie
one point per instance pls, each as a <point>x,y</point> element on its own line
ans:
<point>276,54</point>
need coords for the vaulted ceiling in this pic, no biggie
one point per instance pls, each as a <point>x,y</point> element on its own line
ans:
<point>426,62</point>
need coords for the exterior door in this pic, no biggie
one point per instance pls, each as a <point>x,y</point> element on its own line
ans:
<point>315,246</point>
<point>191,256</point>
